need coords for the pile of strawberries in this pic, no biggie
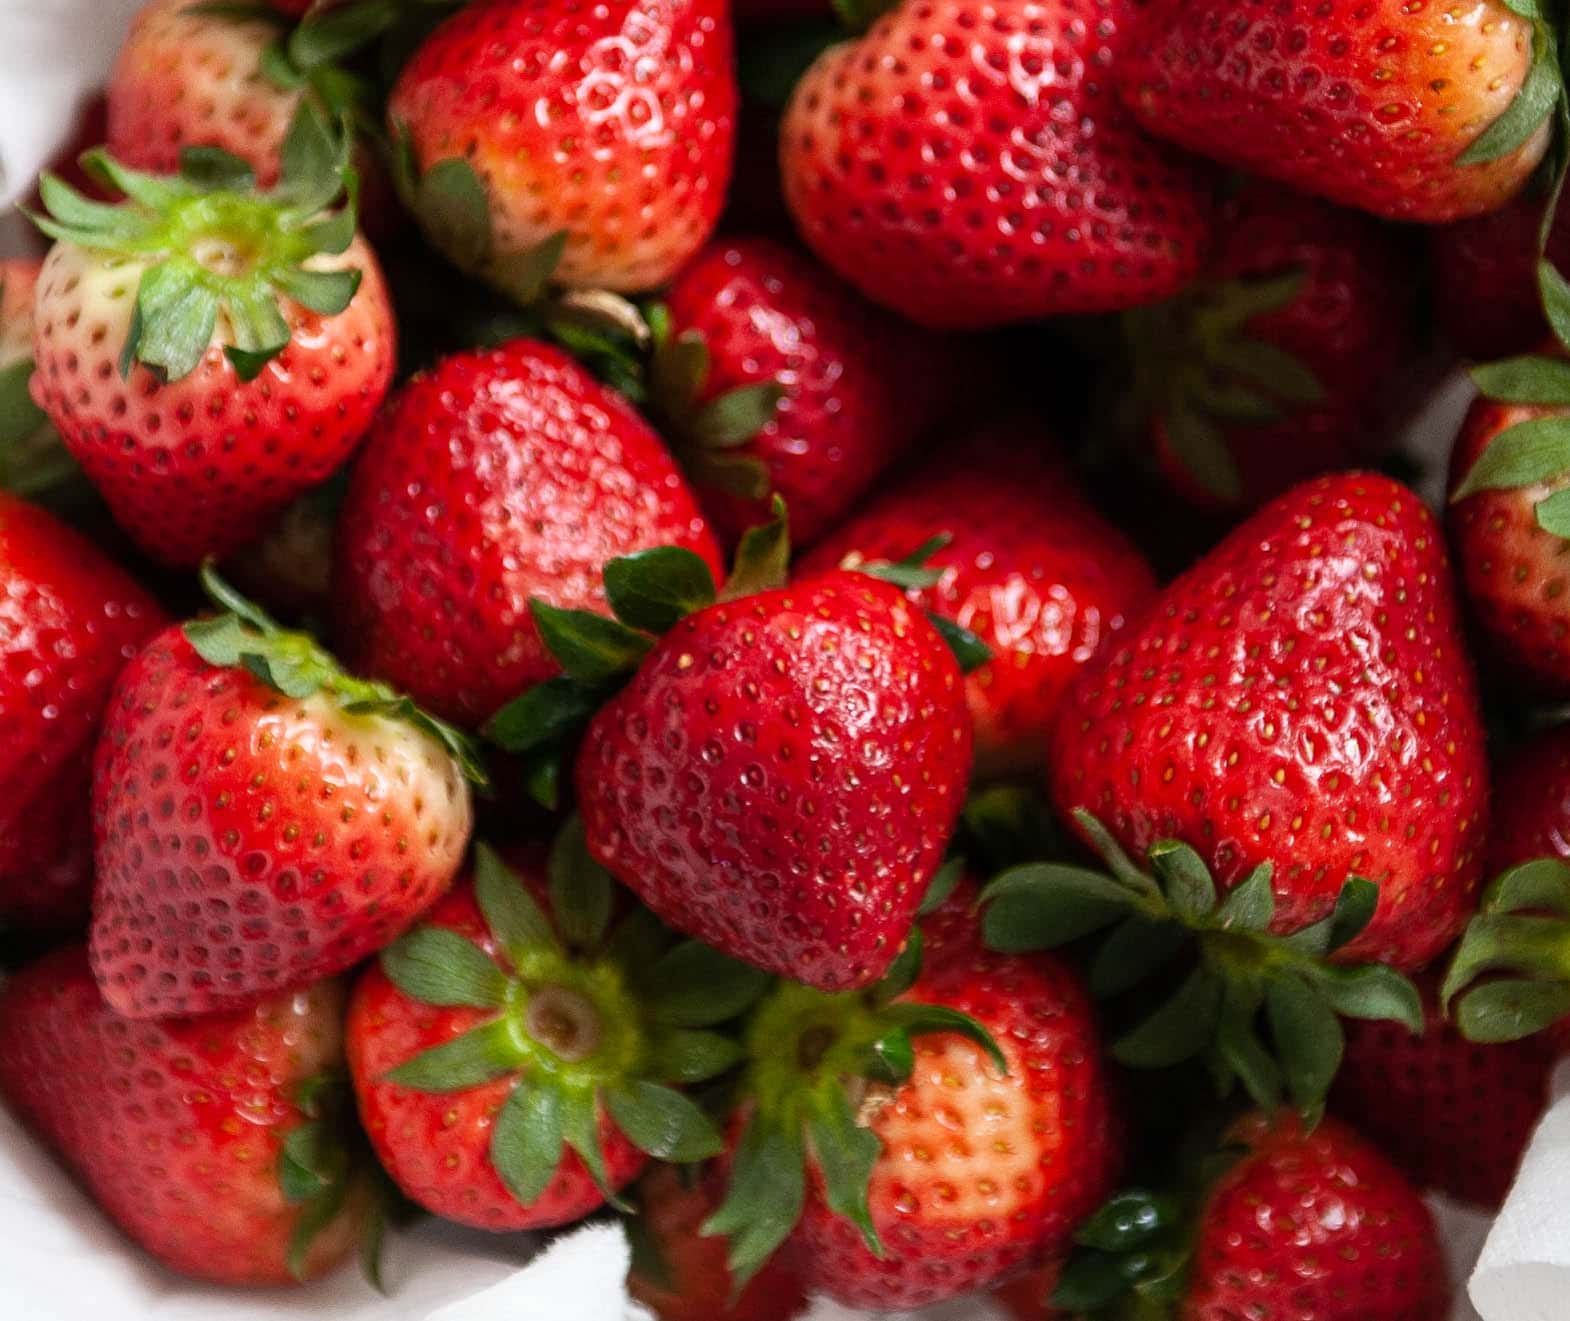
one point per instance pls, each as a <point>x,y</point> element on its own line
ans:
<point>582,633</point>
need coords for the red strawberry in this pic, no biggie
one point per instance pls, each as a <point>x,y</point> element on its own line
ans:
<point>680,1275</point>
<point>69,620</point>
<point>1029,568</point>
<point>853,386</point>
<point>1278,364</point>
<point>1383,105</point>
<point>1319,1226</point>
<point>612,126</point>
<point>970,165</point>
<point>782,774</point>
<point>1027,1297</point>
<point>1532,802</point>
<point>208,358</point>
<point>1484,278</point>
<point>1451,1114</point>
<point>198,1137</point>
<point>498,476</point>
<point>962,1172</point>
<point>512,1063</point>
<point>257,835</point>
<point>1301,697</point>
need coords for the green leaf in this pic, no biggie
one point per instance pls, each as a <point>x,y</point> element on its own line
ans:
<point>664,1123</point>
<point>903,972</point>
<point>1129,1219</point>
<point>1138,948</point>
<point>1542,883</point>
<point>330,34</point>
<point>549,713</point>
<point>762,557</point>
<point>845,1153</point>
<point>523,276</point>
<point>326,293</point>
<point>1525,380</point>
<point>1533,104</point>
<point>1528,454</point>
<point>1370,991</point>
<point>452,208</point>
<point>1239,1050</point>
<point>680,367</point>
<point>1202,449</point>
<point>1553,514</point>
<point>859,15</point>
<point>1355,907</point>
<point>1179,1029</point>
<point>526,1144</point>
<point>1046,904</point>
<point>1089,1282</point>
<point>768,1185</point>
<point>695,986</point>
<point>744,476</point>
<point>890,1058</point>
<point>1271,367</point>
<point>969,650</point>
<point>312,160</point>
<point>943,883</point>
<point>687,1056</point>
<point>1118,862</point>
<point>212,169</point>
<point>589,647</point>
<point>736,416</point>
<point>1189,887</point>
<point>1308,1037</point>
<point>581,1127</point>
<point>308,1163</point>
<point>20,417</point>
<point>486,1052</point>
<point>317,1215</point>
<point>656,589</point>
<point>519,924</point>
<point>1511,1009</point>
<point>176,314</point>
<point>924,1020</point>
<point>581,890</point>
<point>1251,905</point>
<point>259,330</point>
<point>439,967</point>
<point>1536,947</point>
<point>1555,296</point>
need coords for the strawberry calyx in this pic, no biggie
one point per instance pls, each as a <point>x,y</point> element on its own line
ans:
<point>1242,976</point>
<point>911,574</point>
<point>1510,977</point>
<point>245,637</point>
<point>33,458</point>
<point>820,1065</point>
<point>1541,95</point>
<point>1198,371</point>
<point>217,255</point>
<point>590,1019</point>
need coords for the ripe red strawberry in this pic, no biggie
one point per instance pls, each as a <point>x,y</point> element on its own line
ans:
<point>1484,278</point>
<point>1383,105</point>
<point>1030,568</point>
<point>1302,697</point>
<point>203,1139</point>
<point>611,126</point>
<point>1318,1226</point>
<point>512,1056</point>
<point>262,819</point>
<point>207,358</point>
<point>782,774</point>
<point>188,79</point>
<point>681,1275</point>
<point>69,620</point>
<point>497,476</point>
<point>970,165</point>
<point>1531,816</point>
<point>962,1170</point>
<point>1452,1114</point>
<point>1278,364</point>
<point>775,378</point>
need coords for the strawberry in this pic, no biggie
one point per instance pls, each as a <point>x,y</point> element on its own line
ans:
<point>497,476</point>
<point>1028,567</point>
<point>1300,698</point>
<point>680,1275</point>
<point>1278,363</point>
<point>969,165</point>
<point>774,377</point>
<point>1314,1225</point>
<point>782,773</point>
<point>262,819</point>
<point>32,459</point>
<point>1453,1115</point>
<point>205,1139</point>
<point>1416,111</point>
<point>908,1172</point>
<point>69,620</point>
<point>513,1057</point>
<point>1028,1298</point>
<point>206,352</point>
<point>1532,802</point>
<point>537,131</point>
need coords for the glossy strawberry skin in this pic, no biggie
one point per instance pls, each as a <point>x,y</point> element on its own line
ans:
<point>1367,105</point>
<point>981,1176</point>
<point>969,165</point>
<point>782,775</point>
<point>436,1146</point>
<point>69,621</point>
<point>1320,1226</point>
<point>498,476</point>
<point>1452,1114</point>
<point>201,465</point>
<point>1511,569</point>
<point>615,124</point>
<point>1031,569</point>
<point>695,1283</point>
<point>1300,696</point>
<point>859,384</point>
<point>176,1127</point>
<point>247,841</point>
<point>1532,802</point>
